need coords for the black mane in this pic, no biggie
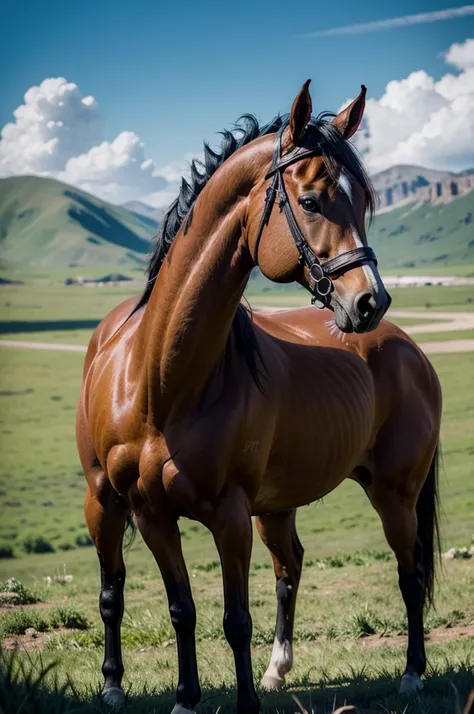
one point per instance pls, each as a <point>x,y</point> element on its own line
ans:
<point>246,130</point>
<point>336,152</point>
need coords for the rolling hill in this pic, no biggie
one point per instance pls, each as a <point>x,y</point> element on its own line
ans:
<point>406,172</point>
<point>420,234</point>
<point>143,209</point>
<point>48,223</point>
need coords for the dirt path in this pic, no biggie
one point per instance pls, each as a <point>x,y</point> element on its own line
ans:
<point>35,641</point>
<point>438,348</point>
<point>58,346</point>
<point>448,322</point>
<point>439,635</point>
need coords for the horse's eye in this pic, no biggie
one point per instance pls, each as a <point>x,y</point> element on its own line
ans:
<point>309,204</point>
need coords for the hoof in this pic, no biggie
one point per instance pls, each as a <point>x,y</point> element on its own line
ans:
<point>179,709</point>
<point>410,683</point>
<point>113,697</point>
<point>271,683</point>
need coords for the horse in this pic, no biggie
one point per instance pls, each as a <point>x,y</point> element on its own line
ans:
<point>192,405</point>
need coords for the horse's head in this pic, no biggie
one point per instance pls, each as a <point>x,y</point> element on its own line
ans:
<point>318,238</point>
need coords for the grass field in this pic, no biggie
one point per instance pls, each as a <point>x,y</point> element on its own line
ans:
<point>458,298</point>
<point>350,620</point>
<point>51,312</point>
<point>42,484</point>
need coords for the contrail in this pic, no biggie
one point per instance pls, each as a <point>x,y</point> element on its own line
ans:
<point>405,21</point>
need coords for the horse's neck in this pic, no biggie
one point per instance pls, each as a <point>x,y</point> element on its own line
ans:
<point>196,295</point>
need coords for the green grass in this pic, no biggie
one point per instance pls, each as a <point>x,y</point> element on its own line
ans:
<point>56,313</point>
<point>33,303</point>
<point>17,622</point>
<point>42,485</point>
<point>43,312</point>
<point>458,298</point>
<point>13,592</point>
<point>443,336</point>
<point>32,685</point>
<point>40,477</point>
<point>459,271</point>
<point>339,607</point>
<point>353,596</point>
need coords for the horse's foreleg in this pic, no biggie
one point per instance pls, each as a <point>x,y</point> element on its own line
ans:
<point>232,531</point>
<point>161,534</point>
<point>106,513</point>
<point>278,532</point>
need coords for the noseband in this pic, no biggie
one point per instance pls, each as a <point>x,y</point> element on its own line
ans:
<point>321,274</point>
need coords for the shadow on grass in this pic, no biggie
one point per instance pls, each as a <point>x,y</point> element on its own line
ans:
<point>30,687</point>
<point>18,326</point>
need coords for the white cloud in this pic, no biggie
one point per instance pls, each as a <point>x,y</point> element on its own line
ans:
<point>461,55</point>
<point>173,174</point>
<point>58,133</point>
<point>419,120</point>
<point>116,170</point>
<point>391,23</point>
<point>54,123</point>
<point>162,199</point>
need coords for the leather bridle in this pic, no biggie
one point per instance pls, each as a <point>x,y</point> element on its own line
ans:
<point>321,274</point>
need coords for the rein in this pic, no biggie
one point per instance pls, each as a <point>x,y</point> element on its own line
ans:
<point>321,274</point>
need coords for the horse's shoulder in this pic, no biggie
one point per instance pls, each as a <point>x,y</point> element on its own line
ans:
<point>108,327</point>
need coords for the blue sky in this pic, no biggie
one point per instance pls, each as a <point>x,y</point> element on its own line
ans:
<point>175,73</point>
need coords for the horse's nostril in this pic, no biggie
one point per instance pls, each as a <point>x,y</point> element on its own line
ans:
<point>365,304</point>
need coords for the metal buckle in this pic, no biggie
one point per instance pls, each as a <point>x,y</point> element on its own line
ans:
<point>324,286</point>
<point>320,304</point>
<point>316,271</point>
<point>322,283</point>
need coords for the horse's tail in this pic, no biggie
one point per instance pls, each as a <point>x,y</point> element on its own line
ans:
<point>428,526</point>
<point>132,532</point>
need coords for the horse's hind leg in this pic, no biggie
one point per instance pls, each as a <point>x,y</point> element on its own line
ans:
<point>409,520</point>
<point>278,532</point>
<point>106,514</point>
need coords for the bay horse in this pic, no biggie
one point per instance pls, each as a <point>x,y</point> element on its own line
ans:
<point>192,406</point>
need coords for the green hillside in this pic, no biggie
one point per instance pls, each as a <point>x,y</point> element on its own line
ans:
<point>48,223</point>
<point>426,234</point>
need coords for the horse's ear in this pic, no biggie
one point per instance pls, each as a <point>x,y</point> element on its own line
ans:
<point>300,112</point>
<point>348,121</point>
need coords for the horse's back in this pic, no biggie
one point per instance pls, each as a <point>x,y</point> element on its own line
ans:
<point>389,353</point>
<point>307,325</point>
<point>404,380</point>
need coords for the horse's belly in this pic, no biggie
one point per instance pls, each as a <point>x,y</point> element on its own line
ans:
<point>323,434</point>
<point>284,490</point>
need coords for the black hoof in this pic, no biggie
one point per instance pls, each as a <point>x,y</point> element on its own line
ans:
<point>113,697</point>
